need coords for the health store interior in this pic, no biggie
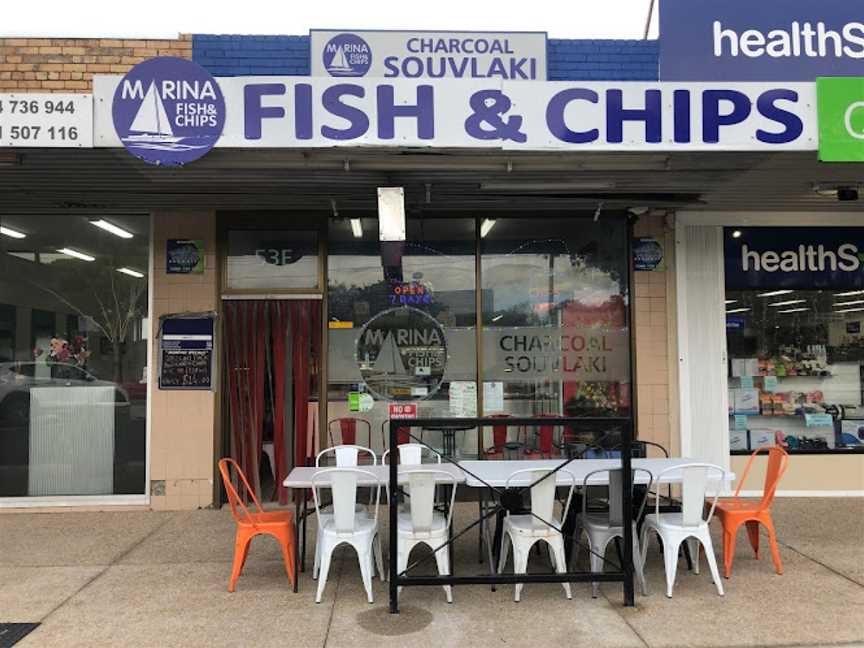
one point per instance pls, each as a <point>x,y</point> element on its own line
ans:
<point>795,370</point>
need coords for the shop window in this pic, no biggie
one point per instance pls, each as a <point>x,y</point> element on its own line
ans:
<point>73,393</point>
<point>7,332</point>
<point>794,339</point>
<point>555,329</point>
<point>272,260</point>
<point>402,323</point>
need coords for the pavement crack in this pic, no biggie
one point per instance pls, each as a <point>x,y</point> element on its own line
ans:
<point>332,607</point>
<point>104,569</point>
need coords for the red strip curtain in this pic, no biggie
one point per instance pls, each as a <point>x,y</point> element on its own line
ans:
<point>252,329</point>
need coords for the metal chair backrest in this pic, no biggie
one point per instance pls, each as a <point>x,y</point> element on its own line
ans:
<point>616,492</point>
<point>343,484</point>
<point>347,429</point>
<point>697,478</point>
<point>543,493</point>
<point>423,483</point>
<point>411,454</point>
<point>234,498</point>
<point>777,461</point>
<point>403,434</point>
<point>346,455</point>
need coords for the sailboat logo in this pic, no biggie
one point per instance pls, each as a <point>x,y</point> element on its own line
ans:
<point>347,55</point>
<point>401,354</point>
<point>151,125</point>
<point>168,111</point>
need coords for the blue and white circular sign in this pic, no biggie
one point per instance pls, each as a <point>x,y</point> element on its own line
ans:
<point>168,111</point>
<point>347,55</point>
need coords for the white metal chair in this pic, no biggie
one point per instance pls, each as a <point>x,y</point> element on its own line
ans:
<point>345,456</point>
<point>411,454</point>
<point>603,526</point>
<point>524,531</point>
<point>690,524</point>
<point>422,524</point>
<point>346,526</point>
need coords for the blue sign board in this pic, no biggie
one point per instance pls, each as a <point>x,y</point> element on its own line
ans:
<point>767,40</point>
<point>168,111</point>
<point>186,353</point>
<point>647,254</point>
<point>805,258</point>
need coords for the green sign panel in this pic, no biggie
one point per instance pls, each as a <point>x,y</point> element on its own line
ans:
<point>841,118</point>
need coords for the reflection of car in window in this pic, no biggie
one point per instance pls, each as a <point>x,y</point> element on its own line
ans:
<point>17,378</point>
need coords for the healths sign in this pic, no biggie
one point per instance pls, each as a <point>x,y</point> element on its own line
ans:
<point>766,40</point>
<point>794,257</point>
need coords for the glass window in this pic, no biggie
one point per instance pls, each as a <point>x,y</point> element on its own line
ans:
<point>272,260</point>
<point>7,332</point>
<point>402,324</point>
<point>555,329</point>
<point>73,393</point>
<point>794,339</point>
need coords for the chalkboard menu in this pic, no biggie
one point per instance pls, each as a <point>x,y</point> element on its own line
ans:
<point>186,353</point>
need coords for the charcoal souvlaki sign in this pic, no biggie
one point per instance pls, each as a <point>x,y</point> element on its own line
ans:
<point>794,258</point>
<point>570,353</point>
<point>402,354</point>
<point>519,56</point>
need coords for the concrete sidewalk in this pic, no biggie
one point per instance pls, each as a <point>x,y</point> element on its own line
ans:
<point>159,579</point>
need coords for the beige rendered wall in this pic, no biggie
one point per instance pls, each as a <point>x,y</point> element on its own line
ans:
<point>184,425</point>
<point>655,350</point>
<point>840,474</point>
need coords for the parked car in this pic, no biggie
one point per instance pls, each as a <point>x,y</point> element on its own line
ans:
<point>17,378</point>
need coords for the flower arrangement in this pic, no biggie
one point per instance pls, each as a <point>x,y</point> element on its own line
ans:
<point>593,399</point>
<point>61,351</point>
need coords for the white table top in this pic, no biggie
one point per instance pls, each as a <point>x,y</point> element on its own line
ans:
<point>496,472</point>
<point>301,477</point>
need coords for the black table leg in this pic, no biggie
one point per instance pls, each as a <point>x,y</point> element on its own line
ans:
<point>297,542</point>
<point>303,539</point>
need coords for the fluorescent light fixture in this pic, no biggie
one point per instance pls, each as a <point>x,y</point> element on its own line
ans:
<point>546,187</point>
<point>851,310</point>
<point>11,233</point>
<point>76,254</point>
<point>851,293</point>
<point>497,317</point>
<point>112,228</point>
<point>27,256</point>
<point>737,310</point>
<point>794,310</point>
<point>854,302</point>
<point>731,301</point>
<point>736,234</point>
<point>131,272</point>
<point>486,226</point>
<point>789,302</point>
<point>356,228</point>
<point>775,293</point>
<point>391,213</point>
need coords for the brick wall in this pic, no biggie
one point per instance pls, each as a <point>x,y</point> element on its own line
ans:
<point>68,64</point>
<point>250,55</point>
<point>656,350</point>
<point>602,60</point>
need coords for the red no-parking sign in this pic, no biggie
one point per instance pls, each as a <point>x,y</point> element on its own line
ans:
<point>403,411</point>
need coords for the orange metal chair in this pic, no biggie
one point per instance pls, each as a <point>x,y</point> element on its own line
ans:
<point>279,524</point>
<point>735,512</point>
